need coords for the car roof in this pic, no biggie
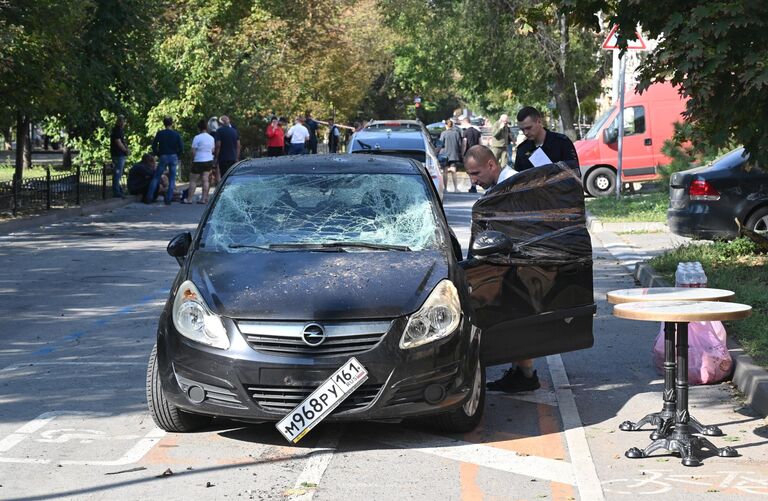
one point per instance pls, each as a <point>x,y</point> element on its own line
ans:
<point>407,140</point>
<point>326,164</point>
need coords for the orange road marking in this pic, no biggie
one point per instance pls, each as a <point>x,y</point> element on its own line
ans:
<point>470,491</point>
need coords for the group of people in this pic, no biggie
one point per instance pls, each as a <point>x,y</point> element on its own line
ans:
<point>212,155</point>
<point>456,142</point>
<point>301,138</point>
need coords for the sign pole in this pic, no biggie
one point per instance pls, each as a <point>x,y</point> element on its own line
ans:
<point>620,116</point>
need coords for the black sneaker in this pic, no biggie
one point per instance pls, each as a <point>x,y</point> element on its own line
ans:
<point>514,381</point>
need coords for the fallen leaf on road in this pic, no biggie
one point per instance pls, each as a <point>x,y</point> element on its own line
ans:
<point>166,473</point>
<point>208,484</point>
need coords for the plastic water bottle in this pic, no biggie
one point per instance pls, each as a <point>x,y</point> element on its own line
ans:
<point>690,275</point>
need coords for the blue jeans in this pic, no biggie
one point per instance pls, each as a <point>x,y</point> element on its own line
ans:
<point>171,161</point>
<point>118,165</point>
<point>296,149</point>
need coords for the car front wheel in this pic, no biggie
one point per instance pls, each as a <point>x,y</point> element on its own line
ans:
<point>166,415</point>
<point>601,182</point>
<point>467,417</point>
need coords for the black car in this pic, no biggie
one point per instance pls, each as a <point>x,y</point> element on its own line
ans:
<point>705,202</point>
<point>301,263</point>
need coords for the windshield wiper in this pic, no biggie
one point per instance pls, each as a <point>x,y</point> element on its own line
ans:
<point>368,245</point>
<point>246,246</point>
<point>303,246</point>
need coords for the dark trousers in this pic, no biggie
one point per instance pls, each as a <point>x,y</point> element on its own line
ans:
<point>224,166</point>
<point>274,151</point>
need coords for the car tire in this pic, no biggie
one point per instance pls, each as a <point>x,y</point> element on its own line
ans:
<point>601,182</point>
<point>468,416</point>
<point>758,221</point>
<point>166,415</point>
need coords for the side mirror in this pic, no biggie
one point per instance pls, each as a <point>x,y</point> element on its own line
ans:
<point>610,135</point>
<point>492,242</point>
<point>179,246</point>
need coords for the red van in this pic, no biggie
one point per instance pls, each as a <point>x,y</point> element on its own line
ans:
<point>648,122</point>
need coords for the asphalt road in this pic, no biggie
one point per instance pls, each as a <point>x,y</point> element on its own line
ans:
<point>79,302</point>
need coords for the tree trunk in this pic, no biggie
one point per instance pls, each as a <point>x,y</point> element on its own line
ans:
<point>21,138</point>
<point>562,84</point>
<point>564,106</point>
<point>27,145</point>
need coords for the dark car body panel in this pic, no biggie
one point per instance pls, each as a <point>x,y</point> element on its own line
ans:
<point>743,189</point>
<point>385,285</point>
<point>538,300</point>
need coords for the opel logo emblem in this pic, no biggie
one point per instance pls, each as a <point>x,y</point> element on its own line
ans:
<point>313,334</point>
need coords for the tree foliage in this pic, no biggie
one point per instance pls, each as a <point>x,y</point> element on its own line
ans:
<point>496,54</point>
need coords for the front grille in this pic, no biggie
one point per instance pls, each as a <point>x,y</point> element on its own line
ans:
<point>285,398</point>
<point>413,392</point>
<point>285,338</point>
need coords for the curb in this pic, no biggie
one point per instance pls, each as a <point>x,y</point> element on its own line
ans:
<point>750,378</point>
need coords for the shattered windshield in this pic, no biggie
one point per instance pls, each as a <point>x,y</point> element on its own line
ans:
<point>352,212</point>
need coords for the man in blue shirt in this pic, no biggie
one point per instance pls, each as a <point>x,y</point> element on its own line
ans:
<point>227,149</point>
<point>167,146</point>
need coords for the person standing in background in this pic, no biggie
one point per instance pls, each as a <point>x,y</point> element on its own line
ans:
<point>168,147</point>
<point>203,146</point>
<point>558,147</point>
<point>333,137</point>
<point>227,150</point>
<point>298,136</point>
<point>471,138</point>
<point>501,138</point>
<point>275,138</point>
<point>311,125</point>
<point>118,149</point>
<point>451,147</point>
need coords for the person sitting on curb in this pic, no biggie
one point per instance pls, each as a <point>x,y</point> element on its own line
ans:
<point>141,175</point>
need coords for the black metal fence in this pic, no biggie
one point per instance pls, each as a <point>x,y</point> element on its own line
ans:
<point>56,190</point>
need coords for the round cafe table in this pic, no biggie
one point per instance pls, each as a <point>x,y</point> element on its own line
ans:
<point>682,441</point>
<point>665,419</point>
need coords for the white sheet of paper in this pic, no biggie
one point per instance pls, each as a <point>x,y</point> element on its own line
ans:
<point>539,158</point>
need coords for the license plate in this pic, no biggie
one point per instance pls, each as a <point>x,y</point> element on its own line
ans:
<point>323,400</point>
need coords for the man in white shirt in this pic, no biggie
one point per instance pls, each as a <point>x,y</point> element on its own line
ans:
<point>298,135</point>
<point>483,169</point>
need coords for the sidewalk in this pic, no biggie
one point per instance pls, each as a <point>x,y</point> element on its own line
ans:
<point>631,244</point>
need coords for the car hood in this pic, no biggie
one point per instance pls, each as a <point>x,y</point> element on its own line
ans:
<point>316,285</point>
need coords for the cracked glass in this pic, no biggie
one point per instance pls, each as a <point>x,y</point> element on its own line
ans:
<point>370,212</point>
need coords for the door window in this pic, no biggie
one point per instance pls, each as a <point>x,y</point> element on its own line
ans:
<point>634,120</point>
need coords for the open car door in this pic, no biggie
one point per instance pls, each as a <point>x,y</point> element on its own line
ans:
<point>530,266</point>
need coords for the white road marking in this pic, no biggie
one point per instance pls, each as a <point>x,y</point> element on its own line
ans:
<point>483,455</point>
<point>316,465</point>
<point>133,455</point>
<point>536,397</point>
<point>587,480</point>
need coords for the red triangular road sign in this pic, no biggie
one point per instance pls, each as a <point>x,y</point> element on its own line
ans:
<point>612,41</point>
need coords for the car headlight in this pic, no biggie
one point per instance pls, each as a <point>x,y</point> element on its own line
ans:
<point>195,321</point>
<point>437,318</point>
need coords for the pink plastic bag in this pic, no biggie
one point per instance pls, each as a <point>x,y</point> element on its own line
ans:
<point>708,358</point>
